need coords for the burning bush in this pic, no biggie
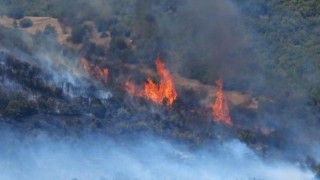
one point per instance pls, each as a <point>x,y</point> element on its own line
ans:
<point>158,93</point>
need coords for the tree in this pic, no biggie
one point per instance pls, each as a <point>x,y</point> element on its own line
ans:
<point>50,31</point>
<point>20,108</point>
<point>79,33</point>
<point>15,24</point>
<point>16,13</point>
<point>25,23</point>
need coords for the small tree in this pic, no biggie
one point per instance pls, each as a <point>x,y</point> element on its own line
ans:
<point>15,24</point>
<point>25,23</point>
<point>79,33</point>
<point>50,31</point>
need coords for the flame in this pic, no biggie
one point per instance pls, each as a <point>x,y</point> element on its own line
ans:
<point>106,73</point>
<point>95,70</point>
<point>157,92</point>
<point>265,132</point>
<point>152,91</point>
<point>130,87</point>
<point>85,64</point>
<point>220,107</point>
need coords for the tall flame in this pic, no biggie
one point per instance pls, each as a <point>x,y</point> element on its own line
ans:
<point>95,70</point>
<point>157,92</point>
<point>220,107</point>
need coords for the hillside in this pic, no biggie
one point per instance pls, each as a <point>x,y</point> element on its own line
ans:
<point>185,79</point>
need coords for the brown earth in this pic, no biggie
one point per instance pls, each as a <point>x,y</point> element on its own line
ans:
<point>63,32</point>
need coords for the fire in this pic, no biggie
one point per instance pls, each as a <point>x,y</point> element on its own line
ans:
<point>95,70</point>
<point>220,107</point>
<point>157,92</point>
<point>152,91</point>
<point>265,132</point>
<point>106,73</point>
<point>85,64</point>
<point>130,87</point>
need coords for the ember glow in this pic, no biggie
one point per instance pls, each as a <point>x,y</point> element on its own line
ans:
<point>157,92</point>
<point>131,88</point>
<point>105,73</point>
<point>85,64</point>
<point>95,70</point>
<point>220,107</point>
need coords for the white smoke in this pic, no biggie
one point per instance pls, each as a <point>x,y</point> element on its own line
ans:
<point>153,158</point>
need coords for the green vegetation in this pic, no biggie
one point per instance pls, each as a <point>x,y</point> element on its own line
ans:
<point>25,23</point>
<point>19,108</point>
<point>272,50</point>
<point>50,31</point>
<point>79,33</point>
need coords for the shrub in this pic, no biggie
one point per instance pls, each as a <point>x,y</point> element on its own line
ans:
<point>69,109</point>
<point>25,23</point>
<point>104,35</point>
<point>20,108</point>
<point>247,136</point>
<point>50,31</point>
<point>97,108</point>
<point>15,24</point>
<point>79,33</point>
<point>16,13</point>
<point>46,106</point>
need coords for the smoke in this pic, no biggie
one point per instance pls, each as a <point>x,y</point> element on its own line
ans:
<point>200,39</point>
<point>58,66</point>
<point>97,157</point>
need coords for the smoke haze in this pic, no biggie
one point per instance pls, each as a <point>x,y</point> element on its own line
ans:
<point>97,157</point>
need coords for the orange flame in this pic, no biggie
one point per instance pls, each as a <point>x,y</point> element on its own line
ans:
<point>106,73</point>
<point>265,132</point>
<point>157,92</point>
<point>95,70</point>
<point>220,107</point>
<point>85,64</point>
<point>130,87</point>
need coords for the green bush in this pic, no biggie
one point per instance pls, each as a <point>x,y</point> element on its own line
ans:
<point>79,33</point>
<point>16,13</point>
<point>25,23</point>
<point>20,108</point>
<point>47,106</point>
<point>15,24</point>
<point>69,109</point>
<point>248,137</point>
<point>97,108</point>
<point>50,31</point>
